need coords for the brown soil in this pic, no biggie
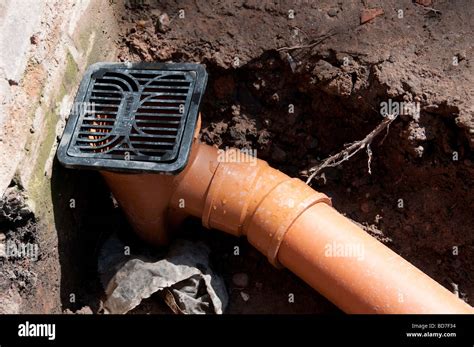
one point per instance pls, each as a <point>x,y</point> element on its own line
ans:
<point>336,88</point>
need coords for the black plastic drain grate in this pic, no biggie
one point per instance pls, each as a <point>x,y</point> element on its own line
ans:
<point>136,117</point>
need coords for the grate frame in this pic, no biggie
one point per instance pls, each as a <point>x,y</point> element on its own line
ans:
<point>124,133</point>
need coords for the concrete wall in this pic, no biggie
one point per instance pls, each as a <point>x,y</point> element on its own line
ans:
<point>44,48</point>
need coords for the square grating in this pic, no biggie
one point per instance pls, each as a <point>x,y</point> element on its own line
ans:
<point>134,117</point>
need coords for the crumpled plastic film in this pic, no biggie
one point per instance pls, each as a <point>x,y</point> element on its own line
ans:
<point>187,282</point>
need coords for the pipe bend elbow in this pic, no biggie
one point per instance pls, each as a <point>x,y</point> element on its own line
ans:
<point>255,200</point>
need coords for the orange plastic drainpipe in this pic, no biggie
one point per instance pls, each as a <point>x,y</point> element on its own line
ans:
<point>293,225</point>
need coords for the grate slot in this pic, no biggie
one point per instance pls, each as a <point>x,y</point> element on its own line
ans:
<point>157,121</point>
<point>105,98</point>
<point>95,128</point>
<point>143,76</point>
<point>107,93</point>
<point>102,112</point>
<point>106,86</point>
<point>106,105</point>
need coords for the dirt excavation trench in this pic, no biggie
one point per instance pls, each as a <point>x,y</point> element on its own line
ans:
<point>295,82</point>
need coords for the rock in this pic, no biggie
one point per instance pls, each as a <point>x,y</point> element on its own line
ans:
<point>245,296</point>
<point>13,206</point>
<point>155,12</point>
<point>34,39</point>
<point>163,23</point>
<point>323,71</point>
<point>418,151</point>
<point>235,110</point>
<point>368,14</point>
<point>84,310</point>
<point>142,23</point>
<point>240,280</point>
<point>332,12</point>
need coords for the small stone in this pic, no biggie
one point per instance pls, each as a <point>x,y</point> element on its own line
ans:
<point>164,23</point>
<point>34,39</point>
<point>235,110</point>
<point>155,12</point>
<point>368,14</point>
<point>85,310</point>
<point>364,207</point>
<point>240,280</point>
<point>245,296</point>
<point>142,23</point>
<point>418,151</point>
<point>332,12</point>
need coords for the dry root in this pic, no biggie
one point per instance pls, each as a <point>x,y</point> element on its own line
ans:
<point>351,149</point>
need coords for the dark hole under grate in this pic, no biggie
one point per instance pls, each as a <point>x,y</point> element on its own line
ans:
<point>134,117</point>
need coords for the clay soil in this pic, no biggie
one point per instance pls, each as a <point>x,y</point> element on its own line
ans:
<point>297,90</point>
<point>336,87</point>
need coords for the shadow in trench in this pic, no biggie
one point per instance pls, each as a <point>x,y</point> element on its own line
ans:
<point>84,216</point>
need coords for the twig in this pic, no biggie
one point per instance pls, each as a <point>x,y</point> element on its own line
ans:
<point>315,42</point>
<point>352,149</point>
